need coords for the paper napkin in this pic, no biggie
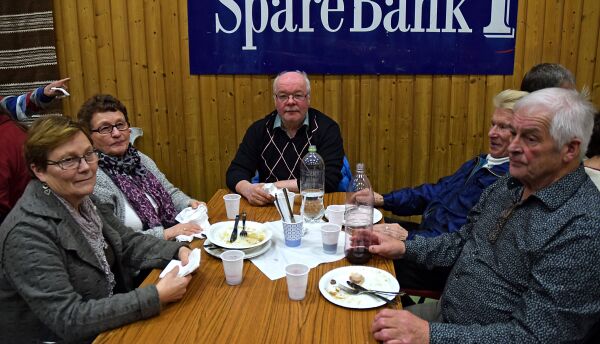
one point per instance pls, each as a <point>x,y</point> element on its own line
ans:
<point>192,265</point>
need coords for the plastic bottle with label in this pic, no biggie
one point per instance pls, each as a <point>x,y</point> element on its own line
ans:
<point>312,186</point>
<point>358,218</point>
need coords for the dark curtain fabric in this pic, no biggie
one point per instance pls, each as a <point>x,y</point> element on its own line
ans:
<point>27,47</point>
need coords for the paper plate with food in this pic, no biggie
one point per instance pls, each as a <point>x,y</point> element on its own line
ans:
<point>365,276</point>
<point>220,234</point>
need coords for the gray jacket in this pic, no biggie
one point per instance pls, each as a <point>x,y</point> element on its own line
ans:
<point>108,192</point>
<point>52,286</point>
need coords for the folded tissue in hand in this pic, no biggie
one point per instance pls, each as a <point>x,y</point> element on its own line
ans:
<point>191,266</point>
<point>198,216</point>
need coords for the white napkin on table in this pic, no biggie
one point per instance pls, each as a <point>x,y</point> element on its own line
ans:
<point>192,265</point>
<point>310,252</point>
<point>198,216</point>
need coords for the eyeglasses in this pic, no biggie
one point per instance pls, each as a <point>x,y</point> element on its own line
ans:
<point>107,129</point>
<point>70,163</point>
<point>285,97</point>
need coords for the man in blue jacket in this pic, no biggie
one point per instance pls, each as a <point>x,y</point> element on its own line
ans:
<point>444,205</point>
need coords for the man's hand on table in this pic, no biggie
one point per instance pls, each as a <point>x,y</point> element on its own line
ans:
<point>254,193</point>
<point>397,326</point>
<point>393,230</point>
<point>291,185</point>
<point>387,246</point>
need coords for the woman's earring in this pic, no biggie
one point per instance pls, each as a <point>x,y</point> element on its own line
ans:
<point>46,188</point>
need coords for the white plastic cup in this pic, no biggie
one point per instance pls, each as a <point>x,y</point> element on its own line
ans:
<point>233,265</point>
<point>232,205</point>
<point>297,280</point>
<point>335,214</point>
<point>330,233</point>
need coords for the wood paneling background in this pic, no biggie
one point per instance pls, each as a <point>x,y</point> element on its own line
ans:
<point>408,129</point>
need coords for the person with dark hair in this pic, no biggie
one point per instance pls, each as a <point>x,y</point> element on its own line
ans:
<point>592,163</point>
<point>140,194</point>
<point>65,260</point>
<point>546,75</point>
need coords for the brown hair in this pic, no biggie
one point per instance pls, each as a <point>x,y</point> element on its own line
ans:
<point>96,104</point>
<point>46,134</point>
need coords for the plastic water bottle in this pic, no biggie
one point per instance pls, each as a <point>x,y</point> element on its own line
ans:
<point>358,218</point>
<point>312,186</point>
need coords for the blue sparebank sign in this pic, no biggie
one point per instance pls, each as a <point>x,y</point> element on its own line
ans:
<point>352,36</point>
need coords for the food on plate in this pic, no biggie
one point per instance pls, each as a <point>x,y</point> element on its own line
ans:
<point>357,278</point>
<point>334,290</point>
<point>254,236</point>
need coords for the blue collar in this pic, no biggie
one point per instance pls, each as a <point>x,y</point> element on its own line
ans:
<point>277,122</point>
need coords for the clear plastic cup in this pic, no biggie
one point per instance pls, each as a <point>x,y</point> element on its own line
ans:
<point>335,214</point>
<point>232,205</point>
<point>297,280</point>
<point>233,265</point>
<point>330,233</point>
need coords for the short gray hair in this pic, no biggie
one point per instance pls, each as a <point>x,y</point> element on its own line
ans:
<point>571,114</point>
<point>306,81</point>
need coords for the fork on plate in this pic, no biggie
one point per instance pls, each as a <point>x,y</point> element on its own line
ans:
<point>243,232</point>
<point>353,291</point>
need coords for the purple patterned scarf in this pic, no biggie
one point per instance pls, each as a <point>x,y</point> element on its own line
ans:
<point>135,181</point>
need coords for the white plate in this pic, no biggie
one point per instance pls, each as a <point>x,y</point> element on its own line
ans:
<point>374,279</point>
<point>377,216</point>
<point>221,231</point>
<point>250,252</point>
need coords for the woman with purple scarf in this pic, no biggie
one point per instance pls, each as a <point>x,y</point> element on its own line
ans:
<point>140,194</point>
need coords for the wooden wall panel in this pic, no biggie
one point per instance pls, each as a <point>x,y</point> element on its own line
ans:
<point>408,129</point>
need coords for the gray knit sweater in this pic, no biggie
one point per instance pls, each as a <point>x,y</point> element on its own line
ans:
<point>108,192</point>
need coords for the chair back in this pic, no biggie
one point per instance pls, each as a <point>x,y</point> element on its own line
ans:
<point>346,175</point>
<point>135,133</point>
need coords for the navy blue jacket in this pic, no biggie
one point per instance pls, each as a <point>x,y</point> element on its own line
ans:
<point>445,204</point>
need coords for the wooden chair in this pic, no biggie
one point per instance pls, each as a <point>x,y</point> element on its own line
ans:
<point>423,294</point>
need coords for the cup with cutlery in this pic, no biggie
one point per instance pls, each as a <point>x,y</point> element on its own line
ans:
<point>293,231</point>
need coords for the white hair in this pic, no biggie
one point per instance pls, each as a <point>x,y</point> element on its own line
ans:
<point>571,114</point>
<point>306,81</point>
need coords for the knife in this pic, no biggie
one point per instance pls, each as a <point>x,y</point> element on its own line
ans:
<point>235,226</point>
<point>371,293</point>
<point>359,287</point>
